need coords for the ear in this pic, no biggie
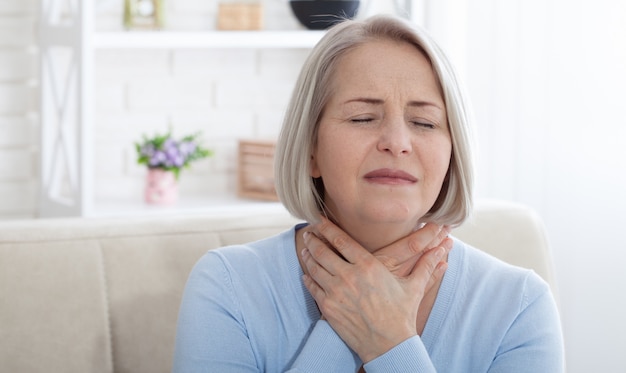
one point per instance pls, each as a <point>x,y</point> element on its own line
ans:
<point>314,170</point>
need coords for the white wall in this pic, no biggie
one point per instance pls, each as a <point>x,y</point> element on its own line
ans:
<point>584,199</point>
<point>546,78</point>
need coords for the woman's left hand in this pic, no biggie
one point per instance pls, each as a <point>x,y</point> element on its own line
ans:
<point>371,309</point>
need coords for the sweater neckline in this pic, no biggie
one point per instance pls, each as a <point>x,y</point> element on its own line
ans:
<point>297,285</point>
<point>445,296</point>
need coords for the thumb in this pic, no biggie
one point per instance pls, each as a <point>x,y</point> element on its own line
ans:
<point>429,269</point>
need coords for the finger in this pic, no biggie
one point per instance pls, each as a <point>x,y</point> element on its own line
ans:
<point>442,266</point>
<point>417,243</point>
<point>323,254</point>
<point>443,233</point>
<point>348,248</point>
<point>447,244</point>
<point>427,237</point>
<point>437,275</point>
<point>316,291</point>
<point>316,271</point>
<point>430,267</point>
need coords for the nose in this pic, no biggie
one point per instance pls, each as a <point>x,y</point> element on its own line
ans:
<point>395,138</point>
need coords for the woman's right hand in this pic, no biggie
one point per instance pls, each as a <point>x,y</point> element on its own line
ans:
<point>369,307</point>
<point>401,256</point>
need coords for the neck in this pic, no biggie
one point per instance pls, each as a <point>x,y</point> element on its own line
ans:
<point>374,236</point>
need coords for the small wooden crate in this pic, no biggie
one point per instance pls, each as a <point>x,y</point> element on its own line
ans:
<point>240,16</point>
<point>256,170</point>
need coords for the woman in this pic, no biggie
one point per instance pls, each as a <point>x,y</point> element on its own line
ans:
<point>375,155</point>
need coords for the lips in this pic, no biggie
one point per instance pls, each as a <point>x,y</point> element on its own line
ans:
<point>390,176</point>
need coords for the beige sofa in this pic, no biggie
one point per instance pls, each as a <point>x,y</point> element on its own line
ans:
<point>102,295</point>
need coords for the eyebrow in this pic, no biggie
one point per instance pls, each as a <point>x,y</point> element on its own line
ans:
<point>376,101</point>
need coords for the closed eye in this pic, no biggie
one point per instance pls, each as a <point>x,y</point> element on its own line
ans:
<point>361,120</point>
<point>424,125</point>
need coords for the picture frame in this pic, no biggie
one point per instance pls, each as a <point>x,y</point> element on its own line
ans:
<point>143,14</point>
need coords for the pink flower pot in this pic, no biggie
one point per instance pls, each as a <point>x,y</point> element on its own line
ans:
<point>161,187</point>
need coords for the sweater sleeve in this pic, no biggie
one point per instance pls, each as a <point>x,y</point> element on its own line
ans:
<point>211,335</point>
<point>324,351</point>
<point>408,356</point>
<point>534,342</point>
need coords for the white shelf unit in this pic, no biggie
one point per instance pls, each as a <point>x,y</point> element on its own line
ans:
<point>205,39</point>
<point>67,45</point>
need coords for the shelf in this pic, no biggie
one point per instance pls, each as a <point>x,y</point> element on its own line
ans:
<point>222,204</point>
<point>205,39</point>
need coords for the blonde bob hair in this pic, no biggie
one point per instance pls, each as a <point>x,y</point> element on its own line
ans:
<point>302,195</point>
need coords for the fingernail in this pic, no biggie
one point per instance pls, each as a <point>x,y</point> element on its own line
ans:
<point>305,235</point>
<point>304,252</point>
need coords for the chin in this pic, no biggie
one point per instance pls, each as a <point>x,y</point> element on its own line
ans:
<point>391,213</point>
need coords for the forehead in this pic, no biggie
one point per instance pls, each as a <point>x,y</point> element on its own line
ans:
<point>384,62</point>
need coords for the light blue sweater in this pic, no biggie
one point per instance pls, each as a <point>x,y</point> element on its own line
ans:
<point>245,309</point>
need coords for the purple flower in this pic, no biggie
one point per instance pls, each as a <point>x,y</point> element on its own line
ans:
<point>172,152</point>
<point>174,158</point>
<point>169,143</point>
<point>157,158</point>
<point>147,150</point>
<point>179,161</point>
<point>187,148</point>
<point>163,151</point>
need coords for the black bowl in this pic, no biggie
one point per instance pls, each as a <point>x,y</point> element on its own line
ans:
<point>321,14</point>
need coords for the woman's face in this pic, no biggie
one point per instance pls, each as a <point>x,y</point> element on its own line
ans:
<point>383,147</point>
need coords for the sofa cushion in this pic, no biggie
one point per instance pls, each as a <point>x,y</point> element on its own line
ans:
<point>145,278</point>
<point>102,295</point>
<point>53,308</point>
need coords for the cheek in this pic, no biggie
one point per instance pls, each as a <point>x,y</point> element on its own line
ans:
<point>325,161</point>
<point>324,154</point>
<point>439,158</point>
<point>444,160</point>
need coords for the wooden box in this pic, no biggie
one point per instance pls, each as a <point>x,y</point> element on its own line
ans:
<point>240,16</point>
<point>256,170</point>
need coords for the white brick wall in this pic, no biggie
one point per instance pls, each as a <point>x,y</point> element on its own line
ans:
<point>21,7</point>
<point>19,134</point>
<point>19,65</point>
<point>226,94</point>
